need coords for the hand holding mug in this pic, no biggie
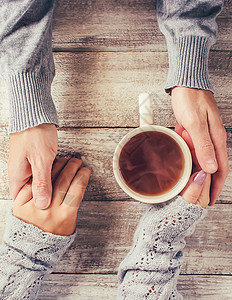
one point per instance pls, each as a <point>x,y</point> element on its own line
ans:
<point>151,163</point>
<point>197,112</point>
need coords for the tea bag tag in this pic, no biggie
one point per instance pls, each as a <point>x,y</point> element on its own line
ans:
<point>145,109</point>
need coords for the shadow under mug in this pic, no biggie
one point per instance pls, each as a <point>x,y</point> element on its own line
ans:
<point>146,124</point>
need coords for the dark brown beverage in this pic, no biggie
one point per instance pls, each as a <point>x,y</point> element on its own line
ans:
<point>151,163</point>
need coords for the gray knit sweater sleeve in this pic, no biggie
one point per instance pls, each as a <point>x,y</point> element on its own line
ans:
<point>190,30</point>
<point>27,65</point>
<point>151,268</point>
<point>26,61</point>
<point>27,255</point>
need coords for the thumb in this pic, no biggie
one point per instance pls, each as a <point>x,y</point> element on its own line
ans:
<point>204,148</point>
<point>193,190</point>
<point>41,185</point>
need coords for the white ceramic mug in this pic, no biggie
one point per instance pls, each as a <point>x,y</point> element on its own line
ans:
<point>146,124</point>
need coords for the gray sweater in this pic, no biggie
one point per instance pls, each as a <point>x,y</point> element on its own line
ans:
<point>26,52</point>
<point>151,268</point>
<point>27,255</point>
<point>149,271</point>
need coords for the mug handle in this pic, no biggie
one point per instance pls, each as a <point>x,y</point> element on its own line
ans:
<point>145,109</point>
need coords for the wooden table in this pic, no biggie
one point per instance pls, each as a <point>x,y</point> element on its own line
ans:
<point>106,53</point>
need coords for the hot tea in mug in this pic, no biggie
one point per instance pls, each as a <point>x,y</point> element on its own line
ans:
<point>151,163</point>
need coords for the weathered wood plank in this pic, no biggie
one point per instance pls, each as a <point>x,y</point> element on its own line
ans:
<point>106,228</point>
<point>205,287</point>
<point>104,287</point>
<point>101,89</point>
<point>81,287</point>
<point>96,146</point>
<point>119,26</point>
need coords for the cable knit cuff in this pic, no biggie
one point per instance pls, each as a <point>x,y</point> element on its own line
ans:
<point>157,247</point>
<point>165,213</point>
<point>41,250</point>
<point>188,63</point>
<point>30,101</point>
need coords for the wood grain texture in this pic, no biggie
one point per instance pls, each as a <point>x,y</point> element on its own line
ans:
<point>106,229</point>
<point>104,287</point>
<point>113,50</point>
<point>96,146</point>
<point>101,89</point>
<point>119,26</point>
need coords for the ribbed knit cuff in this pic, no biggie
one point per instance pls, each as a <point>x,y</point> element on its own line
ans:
<point>188,63</point>
<point>30,101</point>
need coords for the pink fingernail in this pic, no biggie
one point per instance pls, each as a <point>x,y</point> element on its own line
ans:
<point>200,177</point>
<point>67,156</point>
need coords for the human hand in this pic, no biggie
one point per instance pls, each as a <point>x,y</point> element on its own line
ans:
<point>196,112</point>
<point>32,152</point>
<point>197,190</point>
<point>69,184</point>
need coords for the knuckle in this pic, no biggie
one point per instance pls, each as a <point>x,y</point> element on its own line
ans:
<point>206,145</point>
<point>41,173</point>
<point>40,185</point>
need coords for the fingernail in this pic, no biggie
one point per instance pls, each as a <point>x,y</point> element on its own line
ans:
<point>76,155</point>
<point>211,166</point>
<point>67,156</point>
<point>42,203</point>
<point>200,177</point>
